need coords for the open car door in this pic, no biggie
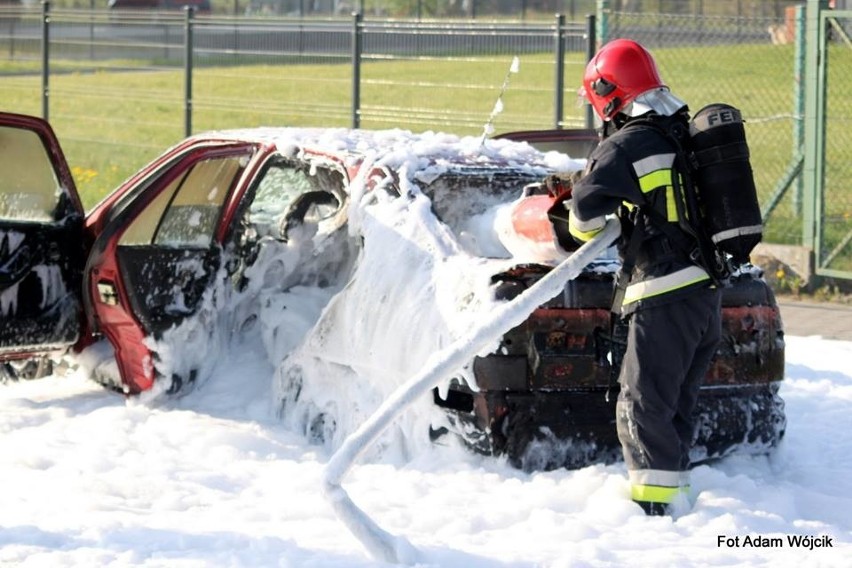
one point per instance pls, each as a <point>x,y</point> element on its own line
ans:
<point>41,245</point>
<point>159,252</point>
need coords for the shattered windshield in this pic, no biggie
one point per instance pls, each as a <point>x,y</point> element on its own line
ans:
<point>475,203</point>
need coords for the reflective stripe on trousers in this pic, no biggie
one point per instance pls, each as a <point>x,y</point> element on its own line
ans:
<point>657,486</point>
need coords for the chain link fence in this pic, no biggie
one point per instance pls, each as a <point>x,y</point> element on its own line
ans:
<point>516,9</point>
<point>834,250</point>
<point>120,87</point>
<point>468,9</point>
<point>738,61</point>
<point>758,64</point>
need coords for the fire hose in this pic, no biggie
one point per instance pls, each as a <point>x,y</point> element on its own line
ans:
<point>441,365</point>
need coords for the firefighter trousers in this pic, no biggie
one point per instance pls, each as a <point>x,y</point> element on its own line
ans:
<point>669,350</point>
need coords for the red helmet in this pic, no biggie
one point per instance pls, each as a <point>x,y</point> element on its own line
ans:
<point>619,72</point>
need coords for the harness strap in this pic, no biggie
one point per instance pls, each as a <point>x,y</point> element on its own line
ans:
<point>628,263</point>
<point>622,280</point>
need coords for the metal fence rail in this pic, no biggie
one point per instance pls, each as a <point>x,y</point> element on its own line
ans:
<point>96,73</point>
<point>469,61</point>
<point>834,196</point>
<point>93,73</point>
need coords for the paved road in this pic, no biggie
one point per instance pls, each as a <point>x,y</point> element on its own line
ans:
<point>804,318</point>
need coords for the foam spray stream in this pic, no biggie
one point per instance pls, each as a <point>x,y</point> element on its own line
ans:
<point>439,367</point>
<point>498,106</point>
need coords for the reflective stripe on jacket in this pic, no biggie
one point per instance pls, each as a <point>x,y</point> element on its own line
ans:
<point>677,280</point>
<point>637,166</point>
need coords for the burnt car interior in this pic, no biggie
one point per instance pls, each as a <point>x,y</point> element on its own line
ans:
<point>310,207</point>
<point>40,250</point>
<point>292,214</point>
<point>287,195</point>
<point>450,195</point>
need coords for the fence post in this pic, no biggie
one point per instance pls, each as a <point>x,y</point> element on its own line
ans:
<point>356,69</point>
<point>45,59</point>
<point>189,12</point>
<point>814,165</point>
<point>603,21</point>
<point>12,22</point>
<point>559,46</point>
<point>591,48</point>
<point>92,30</point>
<point>799,66</point>
<point>793,175</point>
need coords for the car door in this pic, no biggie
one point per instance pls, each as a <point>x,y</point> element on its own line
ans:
<point>159,252</point>
<point>41,245</point>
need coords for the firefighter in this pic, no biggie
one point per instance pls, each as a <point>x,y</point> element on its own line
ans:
<point>671,303</point>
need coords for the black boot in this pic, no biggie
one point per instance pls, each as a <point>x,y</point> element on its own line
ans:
<point>653,509</point>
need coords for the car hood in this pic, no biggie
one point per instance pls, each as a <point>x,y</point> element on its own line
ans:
<point>404,150</point>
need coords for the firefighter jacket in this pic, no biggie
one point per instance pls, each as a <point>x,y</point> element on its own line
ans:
<point>632,170</point>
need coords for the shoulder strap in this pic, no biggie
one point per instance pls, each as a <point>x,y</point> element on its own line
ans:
<point>691,237</point>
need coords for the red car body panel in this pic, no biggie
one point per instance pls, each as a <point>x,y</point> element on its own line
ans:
<point>117,322</point>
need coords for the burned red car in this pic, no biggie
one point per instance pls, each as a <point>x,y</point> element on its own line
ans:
<point>227,224</point>
<point>141,261</point>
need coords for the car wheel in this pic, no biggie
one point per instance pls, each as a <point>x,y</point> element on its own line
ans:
<point>25,369</point>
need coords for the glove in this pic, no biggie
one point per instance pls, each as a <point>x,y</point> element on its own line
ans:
<point>558,214</point>
<point>560,185</point>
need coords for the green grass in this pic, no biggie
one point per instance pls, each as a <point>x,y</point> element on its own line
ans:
<point>113,121</point>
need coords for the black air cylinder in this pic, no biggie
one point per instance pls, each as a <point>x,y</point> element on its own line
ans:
<point>725,180</point>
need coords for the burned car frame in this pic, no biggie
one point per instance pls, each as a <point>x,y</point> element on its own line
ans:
<point>199,220</point>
